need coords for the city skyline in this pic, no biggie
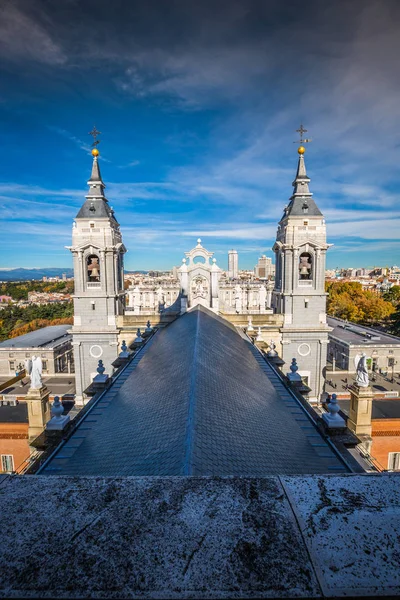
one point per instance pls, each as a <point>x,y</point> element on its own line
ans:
<point>198,105</point>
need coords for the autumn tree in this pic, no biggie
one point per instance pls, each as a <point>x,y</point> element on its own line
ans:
<point>348,301</point>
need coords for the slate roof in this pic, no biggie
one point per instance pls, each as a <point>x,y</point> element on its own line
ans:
<point>200,400</point>
<point>94,208</point>
<point>301,195</point>
<point>14,414</point>
<point>45,337</point>
<point>358,335</point>
<point>295,208</point>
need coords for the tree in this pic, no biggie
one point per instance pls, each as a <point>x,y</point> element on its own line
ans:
<point>394,322</point>
<point>348,300</point>
<point>15,318</point>
<point>393,295</point>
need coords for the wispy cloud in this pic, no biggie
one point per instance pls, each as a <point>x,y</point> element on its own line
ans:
<point>24,37</point>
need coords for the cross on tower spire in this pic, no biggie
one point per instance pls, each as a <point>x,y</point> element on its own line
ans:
<point>95,133</point>
<point>302,140</point>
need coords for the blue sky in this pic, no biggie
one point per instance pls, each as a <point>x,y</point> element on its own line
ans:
<point>198,103</point>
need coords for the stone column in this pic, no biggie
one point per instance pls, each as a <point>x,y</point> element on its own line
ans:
<point>360,414</point>
<point>38,410</point>
<point>319,275</point>
<point>295,269</point>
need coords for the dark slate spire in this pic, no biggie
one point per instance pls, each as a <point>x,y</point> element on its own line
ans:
<point>300,184</point>
<point>96,204</point>
<point>301,202</point>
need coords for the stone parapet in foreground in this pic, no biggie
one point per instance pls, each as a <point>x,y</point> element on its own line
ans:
<point>172,537</point>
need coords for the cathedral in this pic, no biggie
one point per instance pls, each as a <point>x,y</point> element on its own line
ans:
<point>290,313</point>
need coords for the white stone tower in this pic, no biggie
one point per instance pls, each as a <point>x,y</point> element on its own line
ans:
<point>232,264</point>
<point>299,292</point>
<point>98,255</point>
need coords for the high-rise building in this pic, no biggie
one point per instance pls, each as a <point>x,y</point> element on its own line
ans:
<point>98,256</point>
<point>299,292</point>
<point>263,269</point>
<point>233,264</point>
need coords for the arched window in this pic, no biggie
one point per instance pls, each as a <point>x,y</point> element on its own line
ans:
<point>120,267</point>
<point>93,268</point>
<point>305,266</point>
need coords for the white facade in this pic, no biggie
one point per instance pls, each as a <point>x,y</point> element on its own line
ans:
<point>200,281</point>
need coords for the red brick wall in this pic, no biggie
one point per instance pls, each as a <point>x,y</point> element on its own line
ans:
<point>14,440</point>
<point>385,439</point>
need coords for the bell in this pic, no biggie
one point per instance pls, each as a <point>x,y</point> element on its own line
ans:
<point>303,270</point>
<point>94,272</point>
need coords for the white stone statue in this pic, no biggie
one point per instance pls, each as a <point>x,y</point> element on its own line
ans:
<point>360,363</point>
<point>34,368</point>
<point>199,290</point>
<point>238,298</point>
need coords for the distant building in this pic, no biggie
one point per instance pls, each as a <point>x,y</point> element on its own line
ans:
<point>233,264</point>
<point>53,344</point>
<point>347,340</point>
<point>264,267</point>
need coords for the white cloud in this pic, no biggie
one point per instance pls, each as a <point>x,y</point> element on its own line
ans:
<point>23,37</point>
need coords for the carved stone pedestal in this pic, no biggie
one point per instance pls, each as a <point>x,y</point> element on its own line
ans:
<point>360,414</point>
<point>38,410</point>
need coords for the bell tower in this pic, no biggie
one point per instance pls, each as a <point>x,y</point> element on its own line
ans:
<point>99,297</point>
<point>299,292</point>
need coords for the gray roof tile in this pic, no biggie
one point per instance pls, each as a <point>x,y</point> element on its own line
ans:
<point>197,403</point>
<point>45,337</point>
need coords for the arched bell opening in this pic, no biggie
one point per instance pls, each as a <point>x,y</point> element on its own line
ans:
<point>93,268</point>
<point>305,266</point>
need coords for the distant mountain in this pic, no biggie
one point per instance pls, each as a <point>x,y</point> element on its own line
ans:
<point>26,274</point>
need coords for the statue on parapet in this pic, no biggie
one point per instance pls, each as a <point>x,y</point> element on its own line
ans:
<point>360,362</point>
<point>34,368</point>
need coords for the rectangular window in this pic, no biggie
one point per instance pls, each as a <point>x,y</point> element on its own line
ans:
<point>7,463</point>
<point>44,365</point>
<point>12,365</point>
<point>394,461</point>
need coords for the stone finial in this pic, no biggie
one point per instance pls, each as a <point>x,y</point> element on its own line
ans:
<point>101,368</point>
<point>259,336</point>
<point>149,328</point>
<point>272,352</point>
<point>57,408</point>
<point>124,350</point>
<point>332,419</point>
<point>58,421</point>
<point>199,241</point>
<point>294,377</point>
<point>138,339</point>
<point>101,378</point>
<point>250,325</point>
